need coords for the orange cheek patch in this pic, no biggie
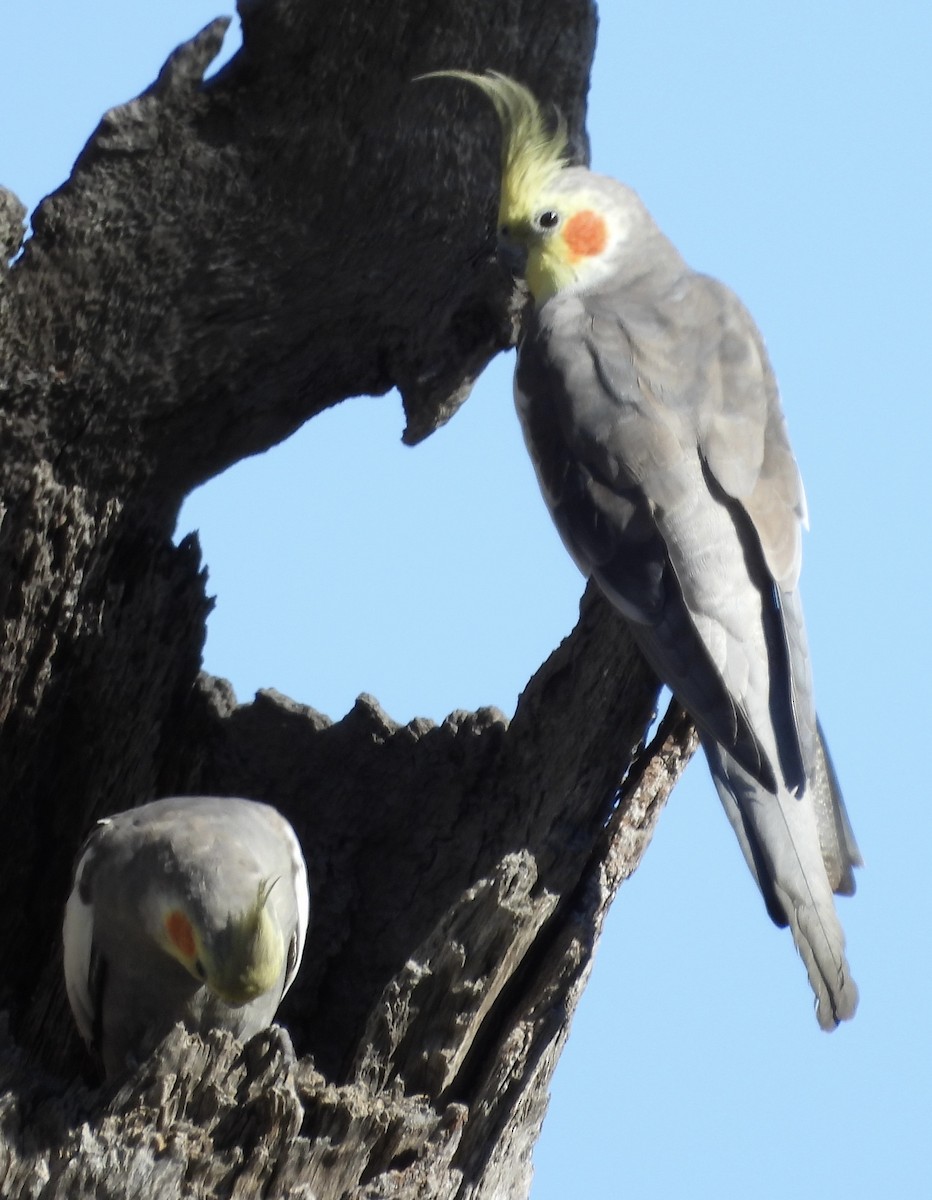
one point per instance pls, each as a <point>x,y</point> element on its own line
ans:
<point>179,930</point>
<point>585,234</point>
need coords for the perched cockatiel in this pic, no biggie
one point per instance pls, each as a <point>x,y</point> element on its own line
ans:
<point>652,417</point>
<point>190,909</point>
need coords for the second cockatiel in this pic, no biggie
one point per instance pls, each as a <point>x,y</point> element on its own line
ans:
<point>651,413</point>
<point>191,909</point>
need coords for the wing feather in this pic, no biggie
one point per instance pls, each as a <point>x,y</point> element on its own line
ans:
<point>78,939</point>
<point>626,459</point>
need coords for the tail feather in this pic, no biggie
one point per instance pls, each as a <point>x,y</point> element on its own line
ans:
<point>839,847</point>
<point>782,840</point>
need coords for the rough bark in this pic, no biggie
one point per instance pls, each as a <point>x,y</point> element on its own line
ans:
<point>227,260</point>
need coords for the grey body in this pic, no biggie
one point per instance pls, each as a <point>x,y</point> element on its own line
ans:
<point>652,417</point>
<point>211,854</point>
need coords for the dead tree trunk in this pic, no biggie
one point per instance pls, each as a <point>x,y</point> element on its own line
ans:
<point>227,260</point>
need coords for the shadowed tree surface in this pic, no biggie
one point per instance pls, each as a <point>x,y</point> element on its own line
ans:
<point>227,260</point>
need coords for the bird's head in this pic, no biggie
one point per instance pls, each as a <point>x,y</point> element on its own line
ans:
<point>560,226</point>
<point>240,959</point>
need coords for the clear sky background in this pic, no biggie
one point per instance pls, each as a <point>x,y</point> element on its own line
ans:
<point>785,148</point>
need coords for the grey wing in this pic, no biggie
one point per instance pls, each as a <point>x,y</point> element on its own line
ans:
<point>743,434</point>
<point>744,442</point>
<point>616,451</point>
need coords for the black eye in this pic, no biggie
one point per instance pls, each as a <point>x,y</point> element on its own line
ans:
<point>548,219</point>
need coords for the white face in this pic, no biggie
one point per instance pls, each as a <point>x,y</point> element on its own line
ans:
<point>577,231</point>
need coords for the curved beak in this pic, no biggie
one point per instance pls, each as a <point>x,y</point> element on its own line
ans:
<point>511,254</point>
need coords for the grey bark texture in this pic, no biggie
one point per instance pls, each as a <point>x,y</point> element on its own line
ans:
<point>227,260</point>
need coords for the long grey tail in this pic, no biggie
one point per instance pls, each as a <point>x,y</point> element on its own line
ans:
<point>800,850</point>
<point>839,848</point>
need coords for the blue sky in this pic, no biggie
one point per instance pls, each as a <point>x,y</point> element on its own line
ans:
<point>785,149</point>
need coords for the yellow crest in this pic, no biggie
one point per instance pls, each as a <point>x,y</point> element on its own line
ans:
<point>532,151</point>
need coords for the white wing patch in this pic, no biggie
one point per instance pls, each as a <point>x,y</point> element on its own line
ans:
<point>77,942</point>
<point>302,897</point>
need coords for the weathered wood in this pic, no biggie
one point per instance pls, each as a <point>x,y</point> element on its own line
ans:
<point>448,1089</point>
<point>227,260</point>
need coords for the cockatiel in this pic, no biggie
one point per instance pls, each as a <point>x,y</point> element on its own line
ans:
<point>191,909</point>
<point>651,413</point>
